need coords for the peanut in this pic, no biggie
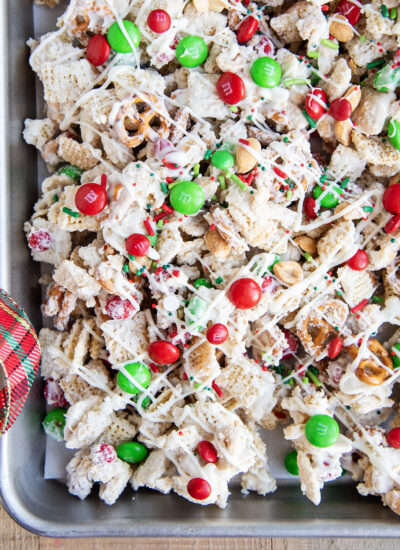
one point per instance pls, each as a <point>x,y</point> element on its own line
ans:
<point>245,160</point>
<point>340,29</point>
<point>288,272</point>
<point>395,179</point>
<point>216,244</point>
<point>353,95</point>
<point>307,244</point>
<point>353,214</point>
<point>216,5</point>
<point>343,130</point>
<point>201,5</point>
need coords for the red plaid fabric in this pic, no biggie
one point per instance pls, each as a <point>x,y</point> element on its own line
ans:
<point>19,359</point>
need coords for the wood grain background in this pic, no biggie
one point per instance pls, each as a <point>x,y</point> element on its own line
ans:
<point>13,537</point>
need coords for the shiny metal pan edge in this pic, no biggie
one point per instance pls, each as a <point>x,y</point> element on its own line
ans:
<point>45,507</point>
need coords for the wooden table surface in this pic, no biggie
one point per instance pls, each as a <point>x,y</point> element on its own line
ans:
<point>13,537</point>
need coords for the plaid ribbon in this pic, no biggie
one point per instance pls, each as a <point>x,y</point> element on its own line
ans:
<point>19,359</point>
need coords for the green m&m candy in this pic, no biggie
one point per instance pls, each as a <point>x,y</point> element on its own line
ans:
<point>394,133</point>
<point>132,452</point>
<point>322,430</point>
<point>266,72</point>
<point>396,358</point>
<point>329,200</point>
<point>145,402</point>
<point>196,307</point>
<point>201,281</point>
<point>71,171</point>
<point>191,51</point>
<point>223,160</point>
<point>54,423</point>
<point>117,39</point>
<point>291,463</point>
<point>137,371</point>
<point>387,79</point>
<point>187,197</point>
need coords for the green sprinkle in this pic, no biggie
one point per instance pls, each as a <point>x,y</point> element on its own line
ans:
<point>208,154</point>
<point>314,378</point>
<point>262,98</point>
<point>132,258</point>
<point>214,198</point>
<point>126,268</point>
<point>285,139</point>
<point>306,380</point>
<point>294,81</point>
<point>237,180</point>
<point>202,282</point>
<point>314,79</point>
<point>160,224</point>
<point>344,183</point>
<point>361,38</point>
<point>330,44</point>
<point>234,109</point>
<point>313,54</point>
<point>393,13</point>
<point>196,169</point>
<point>222,183</point>
<point>367,208</point>
<point>289,195</point>
<point>219,280</point>
<point>392,240</point>
<point>71,171</point>
<point>154,264</point>
<point>322,179</point>
<point>249,117</point>
<point>55,198</point>
<point>308,257</point>
<point>164,188</point>
<point>384,10</point>
<point>338,293</point>
<point>309,119</point>
<point>197,385</point>
<point>376,63</point>
<point>377,299</point>
<point>378,412</point>
<point>71,212</point>
<point>138,166</point>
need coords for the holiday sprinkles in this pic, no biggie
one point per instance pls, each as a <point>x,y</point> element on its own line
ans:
<point>222,218</point>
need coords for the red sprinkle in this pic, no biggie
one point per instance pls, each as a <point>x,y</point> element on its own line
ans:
<point>167,208</point>
<point>185,376</point>
<point>217,389</point>
<point>359,306</point>
<point>154,367</point>
<point>169,179</point>
<point>212,227</point>
<point>249,179</point>
<point>279,173</point>
<point>160,216</point>
<point>245,142</point>
<point>149,228</point>
<point>176,273</point>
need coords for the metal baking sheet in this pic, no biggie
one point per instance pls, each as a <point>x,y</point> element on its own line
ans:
<point>45,506</point>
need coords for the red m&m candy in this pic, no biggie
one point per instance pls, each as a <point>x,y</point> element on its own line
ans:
<point>246,29</point>
<point>98,50</point>
<point>359,261</point>
<point>163,352</point>
<point>350,10</point>
<point>217,334</point>
<point>40,240</point>
<point>244,293</point>
<point>230,88</point>
<point>199,488</point>
<point>313,106</point>
<point>159,21</point>
<point>137,245</point>
<point>393,224</point>
<point>118,308</point>
<point>393,438</point>
<point>340,108</point>
<point>293,344</point>
<point>91,199</point>
<point>208,452</point>
<point>309,208</point>
<point>391,199</point>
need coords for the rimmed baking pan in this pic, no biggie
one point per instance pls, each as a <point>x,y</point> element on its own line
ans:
<point>45,506</point>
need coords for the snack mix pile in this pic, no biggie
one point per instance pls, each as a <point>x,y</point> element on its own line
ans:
<point>223,222</point>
